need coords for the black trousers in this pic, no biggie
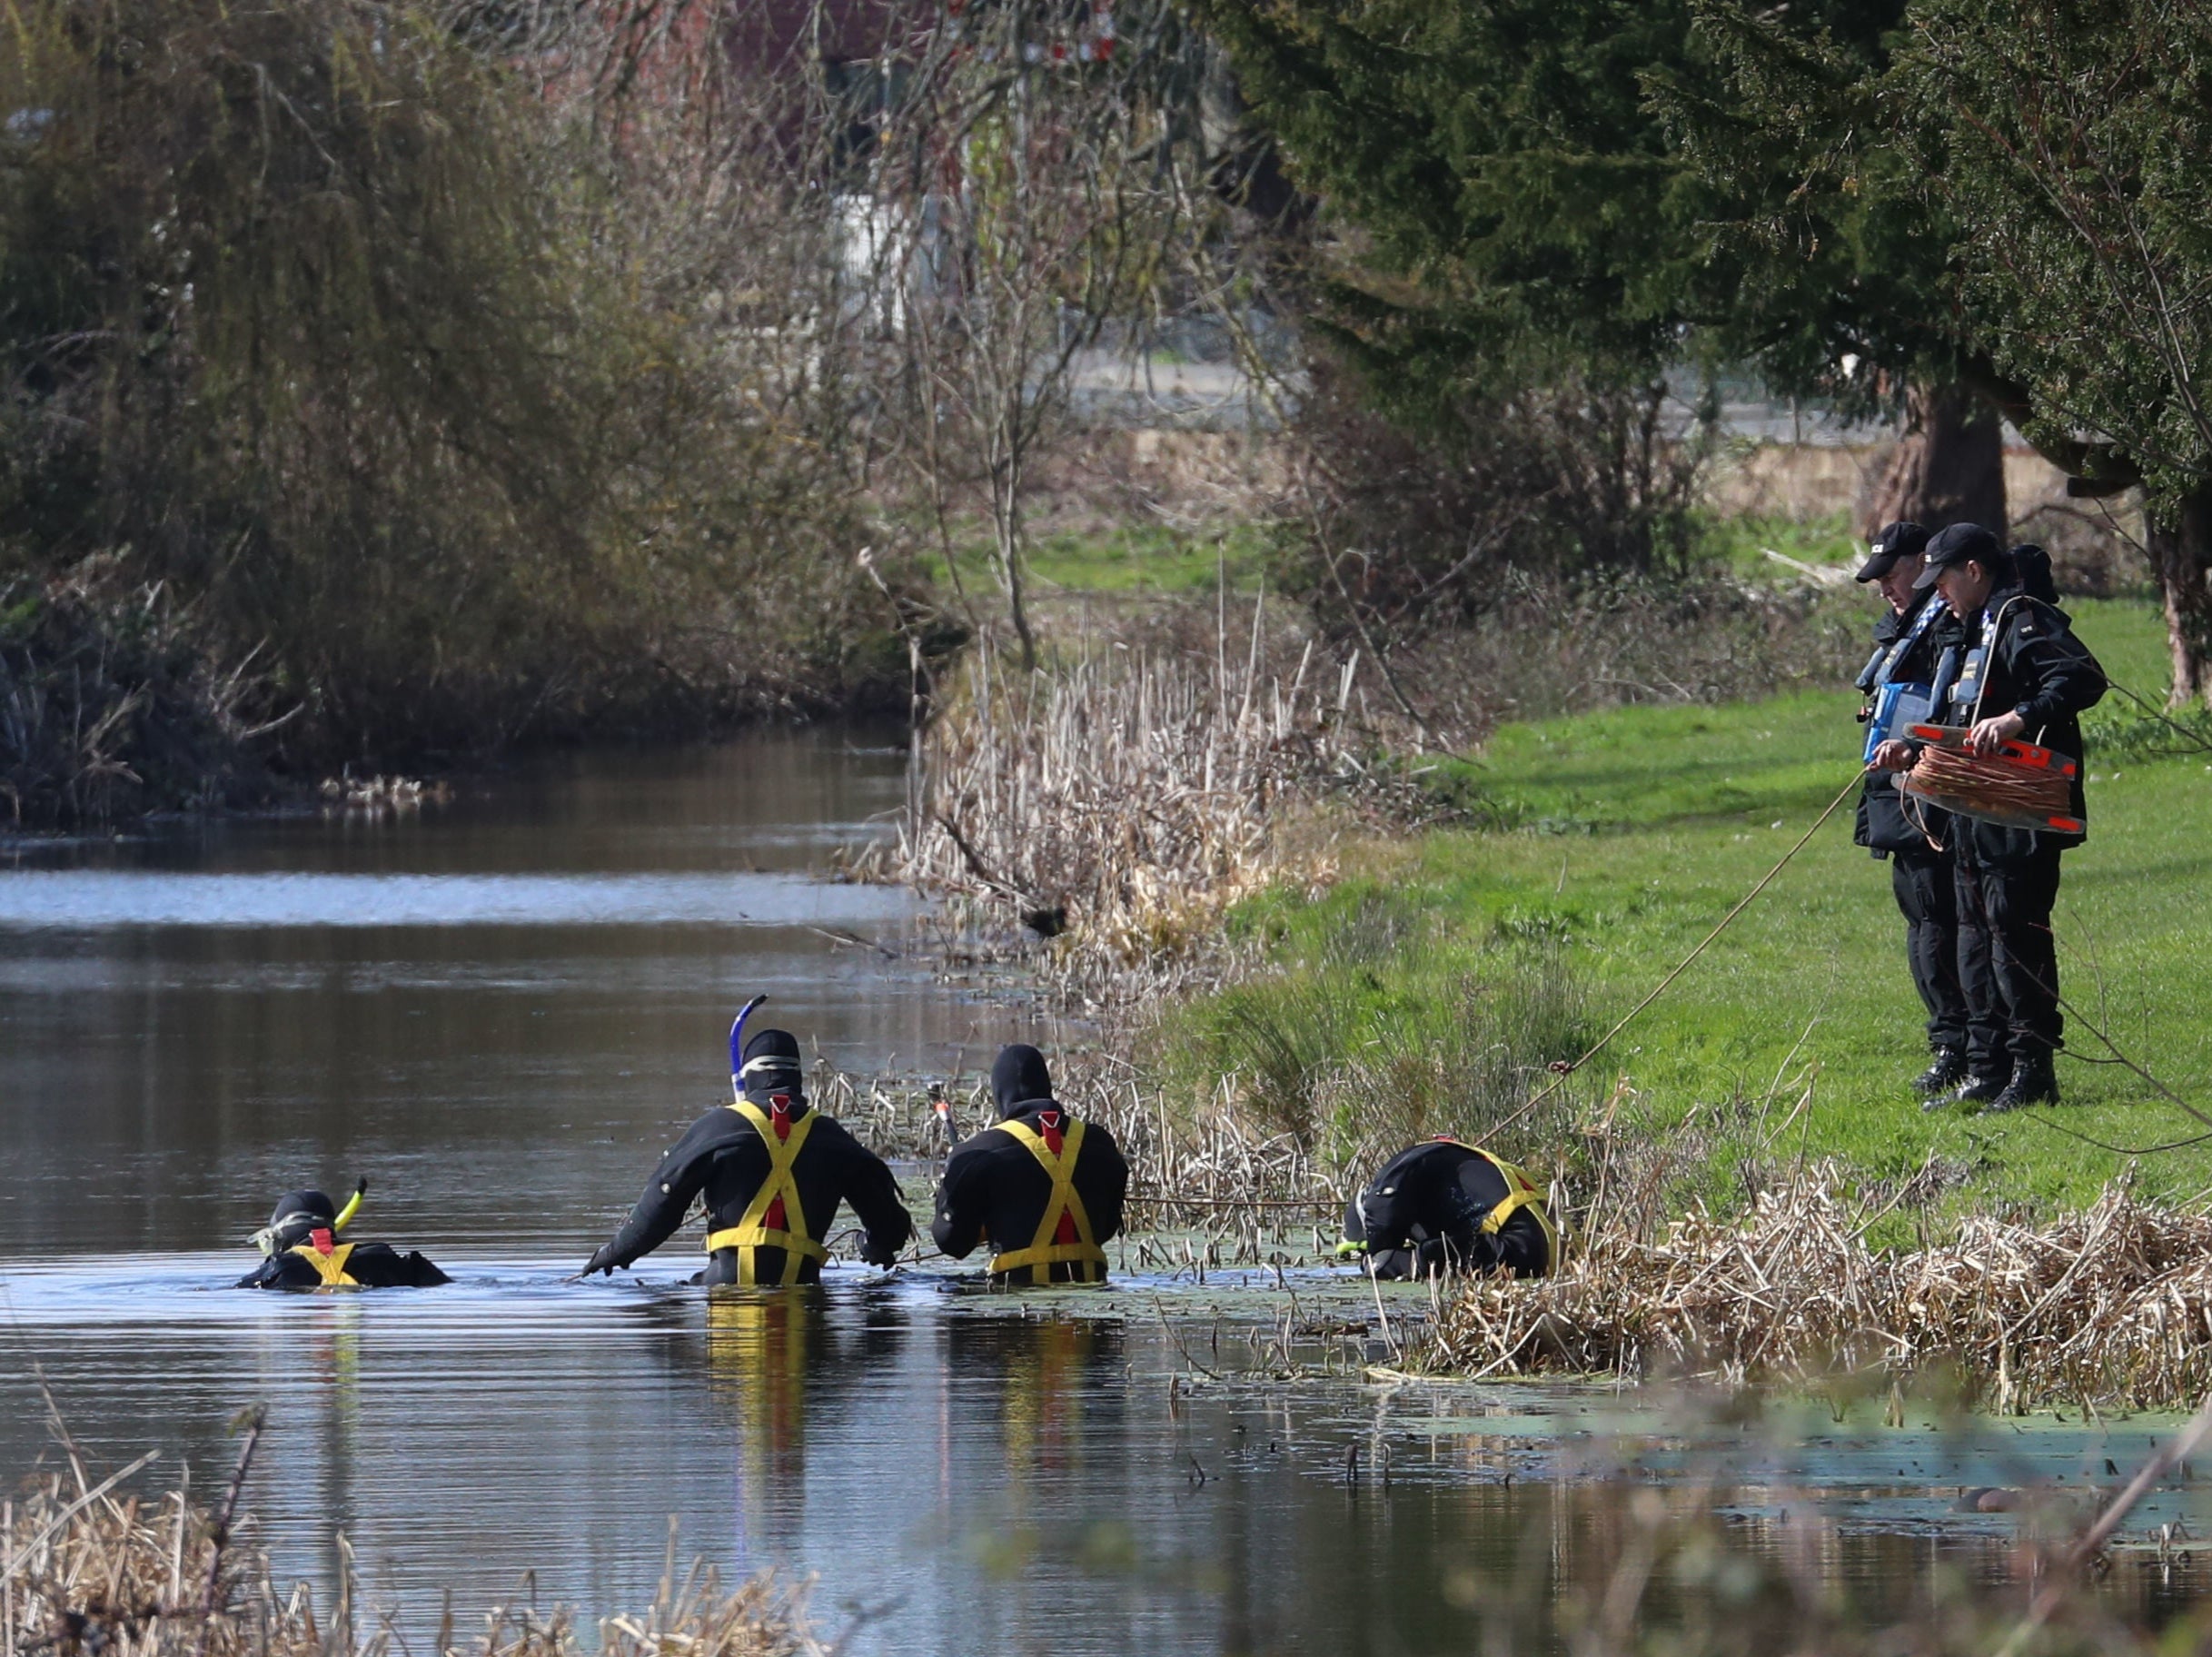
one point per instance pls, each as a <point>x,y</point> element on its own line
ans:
<point>1923,884</point>
<point>2008,957</point>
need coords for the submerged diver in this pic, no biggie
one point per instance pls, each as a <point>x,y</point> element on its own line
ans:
<point>300,1242</point>
<point>1043,1187</point>
<point>1444,1206</point>
<point>772,1170</point>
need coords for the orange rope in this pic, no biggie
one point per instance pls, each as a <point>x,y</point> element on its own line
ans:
<point>1975,786</point>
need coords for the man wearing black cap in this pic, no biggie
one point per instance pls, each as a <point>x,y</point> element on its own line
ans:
<point>772,1170</point>
<point>1897,682</point>
<point>1044,1188</point>
<point>2023,675</point>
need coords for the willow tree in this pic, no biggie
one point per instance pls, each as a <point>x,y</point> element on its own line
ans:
<point>332,322</point>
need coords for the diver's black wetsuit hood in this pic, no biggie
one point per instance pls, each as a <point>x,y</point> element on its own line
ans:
<point>1019,1076</point>
<point>299,1213</point>
<point>771,1065</point>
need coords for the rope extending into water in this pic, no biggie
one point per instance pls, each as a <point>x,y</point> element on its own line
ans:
<point>1682,965</point>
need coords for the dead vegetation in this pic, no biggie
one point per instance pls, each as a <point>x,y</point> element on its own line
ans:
<point>2111,1307</point>
<point>1244,1194</point>
<point>1116,804</point>
<point>93,1569</point>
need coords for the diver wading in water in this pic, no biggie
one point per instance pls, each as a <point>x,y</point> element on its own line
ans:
<point>301,1243</point>
<point>772,1170</point>
<point>1043,1187</point>
<point>1444,1206</point>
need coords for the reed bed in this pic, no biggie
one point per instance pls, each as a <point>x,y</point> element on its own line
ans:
<point>2111,1307</point>
<point>94,1570</point>
<point>1118,802</point>
<point>1246,1197</point>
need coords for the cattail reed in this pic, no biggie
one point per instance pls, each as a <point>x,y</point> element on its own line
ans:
<point>2112,1306</point>
<point>1118,803</point>
<point>92,1567</point>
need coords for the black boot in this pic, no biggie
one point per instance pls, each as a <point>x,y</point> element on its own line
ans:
<point>1947,1071</point>
<point>1974,1090</point>
<point>2034,1081</point>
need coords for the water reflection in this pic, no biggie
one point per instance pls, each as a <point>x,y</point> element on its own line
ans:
<point>498,1010</point>
<point>966,1472</point>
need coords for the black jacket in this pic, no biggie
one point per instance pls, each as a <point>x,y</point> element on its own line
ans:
<point>2034,665</point>
<point>1882,827</point>
<point>371,1266</point>
<point>995,1189</point>
<point>1424,1213</point>
<point>722,1157</point>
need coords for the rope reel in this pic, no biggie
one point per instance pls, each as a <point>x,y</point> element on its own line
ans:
<point>2020,786</point>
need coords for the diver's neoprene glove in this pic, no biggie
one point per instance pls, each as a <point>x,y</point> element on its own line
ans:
<point>603,1261</point>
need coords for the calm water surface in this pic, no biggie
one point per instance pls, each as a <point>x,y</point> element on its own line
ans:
<point>500,1011</point>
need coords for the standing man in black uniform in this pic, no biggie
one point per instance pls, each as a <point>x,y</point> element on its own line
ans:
<point>772,1170</point>
<point>1909,643</point>
<point>1043,1187</point>
<point>2024,677</point>
<point>1442,1207</point>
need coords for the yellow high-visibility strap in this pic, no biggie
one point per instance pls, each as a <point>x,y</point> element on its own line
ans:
<point>1521,1192</point>
<point>330,1268</point>
<point>750,1235</point>
<point>1042,1254</point>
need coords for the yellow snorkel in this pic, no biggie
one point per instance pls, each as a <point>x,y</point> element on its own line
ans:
<point>352,1205</point>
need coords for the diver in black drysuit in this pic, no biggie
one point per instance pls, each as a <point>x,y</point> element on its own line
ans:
<point>998,1182</point>
<point>303,1253</point>
<point>725,1158</point>
<point>1424,1214</point>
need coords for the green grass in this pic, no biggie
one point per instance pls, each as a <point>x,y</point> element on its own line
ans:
<point>1130,560</point>
<point>1626,835</point>
<point>1740,542</point>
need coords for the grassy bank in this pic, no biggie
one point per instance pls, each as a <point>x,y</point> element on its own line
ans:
<point>1616,840</point>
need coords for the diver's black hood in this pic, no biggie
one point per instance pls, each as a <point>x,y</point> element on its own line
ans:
<point>1019,1077</point>
<point>771,1065</point>
<point>298,1213</point>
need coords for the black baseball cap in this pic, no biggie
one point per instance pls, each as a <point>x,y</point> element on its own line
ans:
<point>1956,545</point>
<point>1896,542</point>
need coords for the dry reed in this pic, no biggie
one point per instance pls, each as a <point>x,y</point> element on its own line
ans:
<point>1119,802</point>
<point>93,1569</point>
<point>2110,1307</point>
<point>1247,1195</point>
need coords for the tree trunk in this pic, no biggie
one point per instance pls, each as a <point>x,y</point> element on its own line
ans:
<point>1950,465</point>
<point>1006,513</point>
<point>2180,544</point>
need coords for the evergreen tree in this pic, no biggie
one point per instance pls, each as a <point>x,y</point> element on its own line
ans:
<point>2071,142</point>
<point>1617,186</point>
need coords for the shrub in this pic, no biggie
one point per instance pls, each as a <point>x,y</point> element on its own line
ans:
<point>365,350</point>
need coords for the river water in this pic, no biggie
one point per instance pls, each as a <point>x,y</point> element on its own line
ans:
<point>500,1010</point>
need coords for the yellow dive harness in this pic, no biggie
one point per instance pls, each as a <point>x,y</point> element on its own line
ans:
<point>777,1199</point>
<point>329,1263</point>
<point>1521,1192</point>
<point>329,1266</point>
<point>1064,1211</point>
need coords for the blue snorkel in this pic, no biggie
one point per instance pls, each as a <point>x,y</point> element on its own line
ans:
<point>737,1047</point>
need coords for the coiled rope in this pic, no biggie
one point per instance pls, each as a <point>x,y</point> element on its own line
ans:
<point>1991,787</point>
